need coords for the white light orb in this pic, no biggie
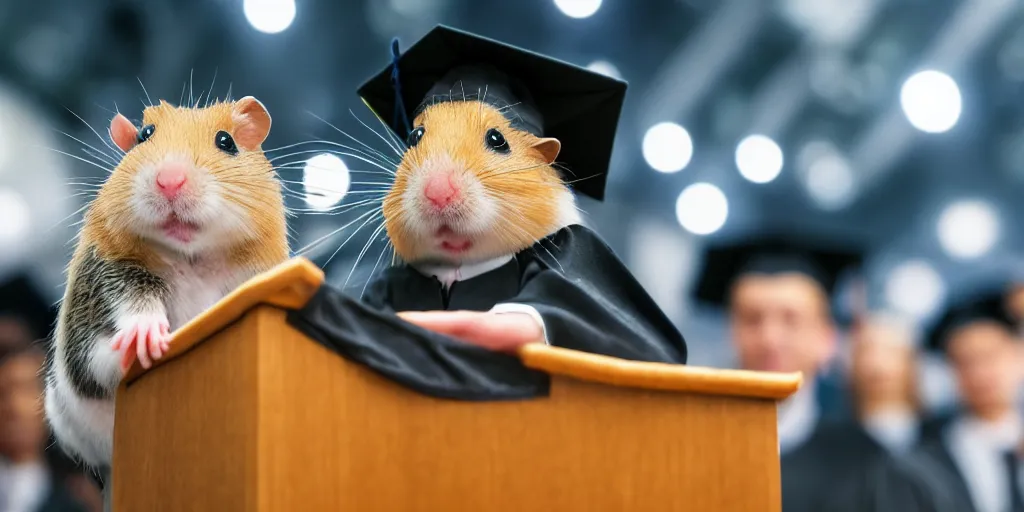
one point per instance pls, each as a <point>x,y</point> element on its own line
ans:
<point>269,16</point>
<point>667,147</point>
<point>578,8</point>
<point>326,179</point>
<point>759,159</point>
<point>702,208</point>
<point>826,174</point>
<point>968,229</point>
<point>16,215</point>
<point>931,101</point>
<point>605,68</point>
<point>915,288</point>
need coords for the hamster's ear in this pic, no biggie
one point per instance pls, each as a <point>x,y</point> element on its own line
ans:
<point>124,134</point>
<point>252,123</point>
<point>548,148</point>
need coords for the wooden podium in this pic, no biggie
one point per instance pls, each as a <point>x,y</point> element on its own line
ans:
<point>247,414</point>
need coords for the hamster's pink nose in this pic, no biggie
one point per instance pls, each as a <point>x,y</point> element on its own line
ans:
<point>170,178</point>
<point>440,190</point>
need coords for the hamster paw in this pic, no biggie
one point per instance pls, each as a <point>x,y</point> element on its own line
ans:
<point>145,336</point>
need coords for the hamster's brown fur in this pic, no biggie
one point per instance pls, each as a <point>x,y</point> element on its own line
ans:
<point>526,194</point>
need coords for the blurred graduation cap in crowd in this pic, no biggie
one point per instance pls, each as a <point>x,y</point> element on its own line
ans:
<point>982,304</point>
<point>21,299</point>
<point>826,264</point>
<point>541,95</point>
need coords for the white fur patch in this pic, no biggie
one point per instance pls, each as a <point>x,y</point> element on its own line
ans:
<point>204,201</point>
<point>84,427</point>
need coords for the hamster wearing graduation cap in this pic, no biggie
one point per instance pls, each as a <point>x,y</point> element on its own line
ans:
<point>481,212</point>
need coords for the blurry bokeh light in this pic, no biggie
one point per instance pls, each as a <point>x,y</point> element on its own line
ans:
<point>968,229</point>
<point>578,8</point>
<point>15,214</point>
<point>269,16</point>
<point>915,288</point>
<point>326,179</point>
<point>702,208</point>
<point>667,147</point>
<point>931,101</point>
<point>827,175</point>
<point>605,68</point>
<point>759,158</point>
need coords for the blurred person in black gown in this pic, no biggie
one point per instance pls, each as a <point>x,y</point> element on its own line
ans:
<point>884,386</point>
<point>32,477</point>
<point>778,293</point>
<point>972,465</point>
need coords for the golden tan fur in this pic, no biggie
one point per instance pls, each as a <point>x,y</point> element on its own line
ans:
<point>523,184</point>
<point>248,180</point>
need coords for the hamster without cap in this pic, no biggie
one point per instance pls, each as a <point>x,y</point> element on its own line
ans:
<point>472,188</point>
<point>193,210</point>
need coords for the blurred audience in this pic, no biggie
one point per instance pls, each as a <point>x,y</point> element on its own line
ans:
<point>33,478</point>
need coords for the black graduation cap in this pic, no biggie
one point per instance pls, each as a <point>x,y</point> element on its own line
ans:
<point>771,254</point>
<point>539,94</point>
<point>20,297</point>
<point>987,304</point>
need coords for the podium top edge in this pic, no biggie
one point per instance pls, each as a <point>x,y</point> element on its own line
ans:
<point>292,283</point>
<point>660,376</point>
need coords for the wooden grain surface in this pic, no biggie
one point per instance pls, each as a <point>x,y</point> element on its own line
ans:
<point>261,419</point>
<point>185,436</point>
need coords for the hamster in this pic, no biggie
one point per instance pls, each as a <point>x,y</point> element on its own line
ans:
<point>192,211</point>
<point>471,188</point>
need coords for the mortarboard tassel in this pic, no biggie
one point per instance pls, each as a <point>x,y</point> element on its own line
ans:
<point>400,113</point>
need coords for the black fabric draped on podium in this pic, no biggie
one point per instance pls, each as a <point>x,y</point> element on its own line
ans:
<point>586,297</point>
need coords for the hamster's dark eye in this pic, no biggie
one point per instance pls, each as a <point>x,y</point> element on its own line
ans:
<point>496,141</point>
<point>225,143</point>
<point>145,133</point>
<point>415,136</point>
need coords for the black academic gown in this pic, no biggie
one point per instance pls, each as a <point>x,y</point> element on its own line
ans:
<point>812,472</point>
<point>588,300</point>
<point>927,479</point>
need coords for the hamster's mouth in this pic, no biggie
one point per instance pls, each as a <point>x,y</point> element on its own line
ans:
<point>179,230</point>
<point>451,242</point>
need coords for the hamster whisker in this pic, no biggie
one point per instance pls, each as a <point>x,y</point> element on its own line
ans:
<point>357,141</point>
<point>190,72</point>
<point>387,245</point>
<point>351,171</point>
<point>366,247</point>
<point>320,240</point>
<point>149,101</point>
<point>518,226</point>
<point>334,152</point>
<point>181,99</point>
<point>501,172</point>
<point>380,159</point>
<point>103,157</point>
<point>65,219</point>
<point>340,208</point>
<point>210,93</point>
<point>399,145</point>
<point>116,150</point>
<point>76,157</point>
<point>389,140</point>
<point>377,216</point>
<point>332,143</point>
